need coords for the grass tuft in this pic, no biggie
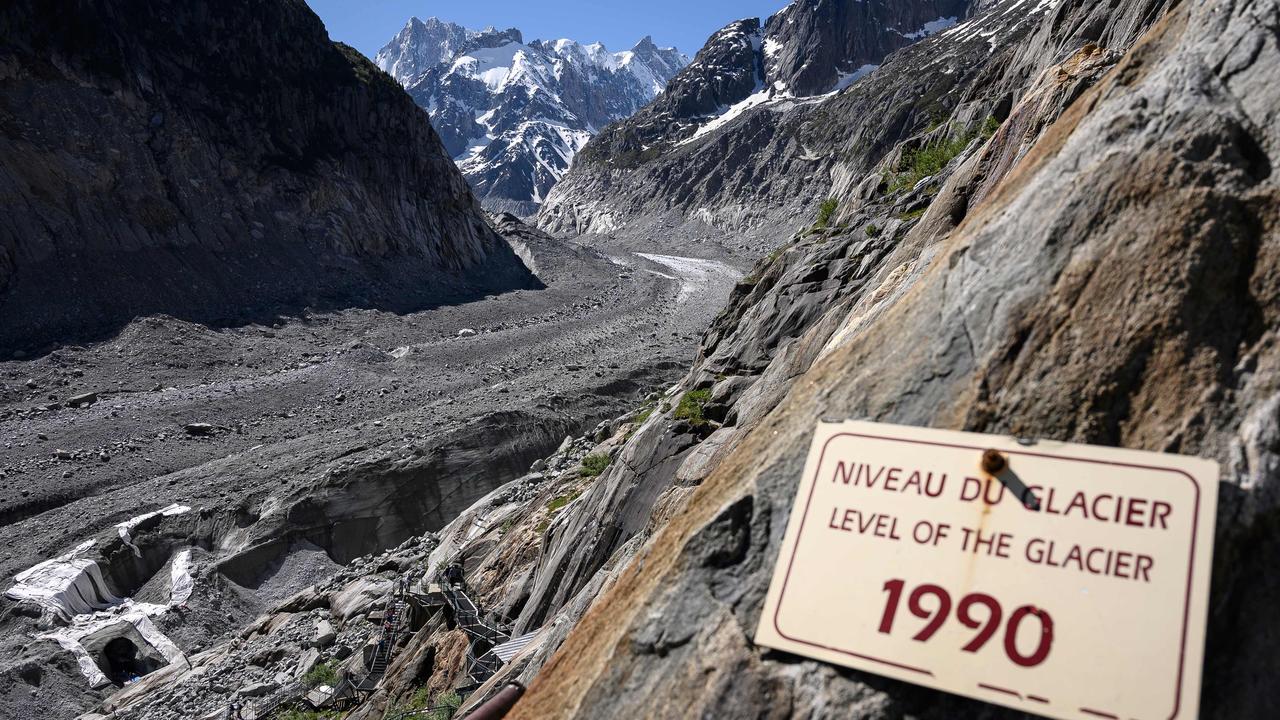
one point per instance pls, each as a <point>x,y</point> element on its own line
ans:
<point>447,705</point>
<point>322,674</point>
<point>444,707</point>
<point>557,503</point>
<point>594,464</point>
<point>691,406</point>
<point>929,160</point>
<point>826,211</point>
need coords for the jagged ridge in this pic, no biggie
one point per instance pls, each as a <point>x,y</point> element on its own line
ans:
<point>514,114</point>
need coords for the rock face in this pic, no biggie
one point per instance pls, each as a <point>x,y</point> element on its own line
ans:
<point>514,114</point>
<point>730,144</point>
<point>810,48</point>
<point>1100,269</point>
<point>221,165</point>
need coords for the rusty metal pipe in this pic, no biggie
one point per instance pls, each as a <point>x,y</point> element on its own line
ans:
<point>499,705</point>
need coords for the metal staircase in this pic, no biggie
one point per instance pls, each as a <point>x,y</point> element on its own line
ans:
<point>398,608</point>
<point>488,648</point>
<point>482,663</point>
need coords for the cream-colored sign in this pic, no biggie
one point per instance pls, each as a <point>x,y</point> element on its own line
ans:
<point>1072,583</point>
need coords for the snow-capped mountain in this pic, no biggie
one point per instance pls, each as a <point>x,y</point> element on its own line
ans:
<point>514,114</point>
<point>421,45</point>
<point>807,49</point>
<point>665,165</point>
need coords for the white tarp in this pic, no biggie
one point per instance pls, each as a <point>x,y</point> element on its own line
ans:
<point>88,667</point>
<point>73,587</point>
<point>127,526</point>
<point>68,584</point>
<point>72,638</point>
<point>181,582</point>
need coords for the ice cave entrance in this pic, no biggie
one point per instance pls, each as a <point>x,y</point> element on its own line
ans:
<point>122,654</point>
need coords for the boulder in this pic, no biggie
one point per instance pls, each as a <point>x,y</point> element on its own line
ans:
<point>324,634</point>
<point>83,399</point>
<point>200,429</point>
<point>308,660</point>
<point>257,689</point>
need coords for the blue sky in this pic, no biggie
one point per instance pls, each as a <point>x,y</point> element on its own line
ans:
<point>367,25</point>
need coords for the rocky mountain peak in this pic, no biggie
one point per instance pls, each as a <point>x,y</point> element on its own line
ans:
<point>811,45</point>
<point>665,62</point>
<point>808,49</point>
<point>513,114</point>
<point>420,45</point>
<point>722,73</point>
<point>492,37</point>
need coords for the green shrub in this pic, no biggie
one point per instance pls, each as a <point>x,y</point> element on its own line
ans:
<point>594,464</point>
<point>762,265</point>
<point>926,162</point>
<point>989,127</point>
<point>873,230</point>
<point>419,700</point>
<point>912,215</point>
<point>691,405</point>
<point>645,412</point>
<point>559,502</point>
<point>826,211</point>
<point>447,705</point>
<point>929,160</point>
<point>322,674</point>
<point>443,707</point>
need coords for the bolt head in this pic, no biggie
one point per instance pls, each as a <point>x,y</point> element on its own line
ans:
<point>993,462</point>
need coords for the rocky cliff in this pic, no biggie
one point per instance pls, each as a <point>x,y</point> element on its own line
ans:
<point>216,161</point>
<point>1099,268</point>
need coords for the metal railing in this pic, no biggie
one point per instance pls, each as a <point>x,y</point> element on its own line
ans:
<point>484,665</point>
<point>285,694</point>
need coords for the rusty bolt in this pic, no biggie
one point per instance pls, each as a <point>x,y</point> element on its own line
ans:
<point>993,462</point>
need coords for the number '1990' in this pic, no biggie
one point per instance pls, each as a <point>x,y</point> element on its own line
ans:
<point>987,626</point>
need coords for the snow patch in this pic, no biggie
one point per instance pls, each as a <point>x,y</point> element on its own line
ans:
<point>847,79</point>
<point>931,27</point>
<point>756,99</point>
<point>490,65</point>
<point>694,273</point>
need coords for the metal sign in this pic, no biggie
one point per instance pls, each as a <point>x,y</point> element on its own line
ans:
<point>1064,580</point>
